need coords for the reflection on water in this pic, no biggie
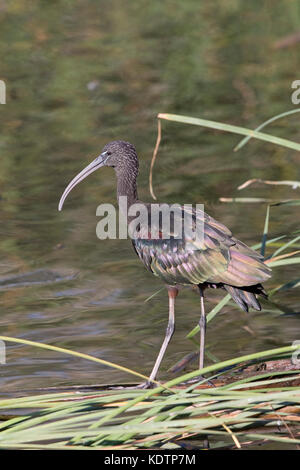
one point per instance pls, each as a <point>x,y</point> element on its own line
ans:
<point>79,75</point>
<point>40,276</point>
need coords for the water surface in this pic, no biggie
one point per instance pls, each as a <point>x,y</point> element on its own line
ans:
<point>81,74</point>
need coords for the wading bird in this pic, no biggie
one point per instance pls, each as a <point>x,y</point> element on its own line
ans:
<point>218,260</point>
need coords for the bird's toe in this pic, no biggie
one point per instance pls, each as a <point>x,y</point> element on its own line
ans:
<point>147,385</point>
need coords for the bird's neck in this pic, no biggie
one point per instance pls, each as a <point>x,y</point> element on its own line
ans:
<point>126,187</point>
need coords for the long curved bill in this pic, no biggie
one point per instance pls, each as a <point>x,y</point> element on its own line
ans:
<point>95,165</point>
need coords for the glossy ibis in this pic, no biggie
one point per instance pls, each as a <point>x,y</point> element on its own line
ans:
<point>220,261</point>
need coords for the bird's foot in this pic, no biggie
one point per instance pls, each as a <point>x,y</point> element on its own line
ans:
<point>147,385</point>
<point>142,386</point>
<point>199,378</point>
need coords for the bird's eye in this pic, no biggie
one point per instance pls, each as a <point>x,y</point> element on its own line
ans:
<point>108,153</point>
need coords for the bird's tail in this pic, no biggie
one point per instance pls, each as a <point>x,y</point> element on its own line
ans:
<point>245,297</point>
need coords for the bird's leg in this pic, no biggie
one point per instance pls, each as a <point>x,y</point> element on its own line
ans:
<point>172,292</point>
<point>202,325</point>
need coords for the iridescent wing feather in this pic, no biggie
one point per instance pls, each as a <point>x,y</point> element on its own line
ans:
<point>217,258</point>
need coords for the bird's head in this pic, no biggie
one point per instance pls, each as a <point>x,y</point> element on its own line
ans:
<point>118,154</point>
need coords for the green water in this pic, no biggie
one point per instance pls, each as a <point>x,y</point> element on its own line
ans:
<point>79,74</point>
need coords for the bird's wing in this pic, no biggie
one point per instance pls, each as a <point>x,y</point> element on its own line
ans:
<point>215,257</point>
<point>246,267</point>
<point>184,260</point>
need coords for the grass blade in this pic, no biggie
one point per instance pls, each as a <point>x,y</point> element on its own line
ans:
<point>264,124</point>
<point>73,353</point>
<point>230,128</point>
